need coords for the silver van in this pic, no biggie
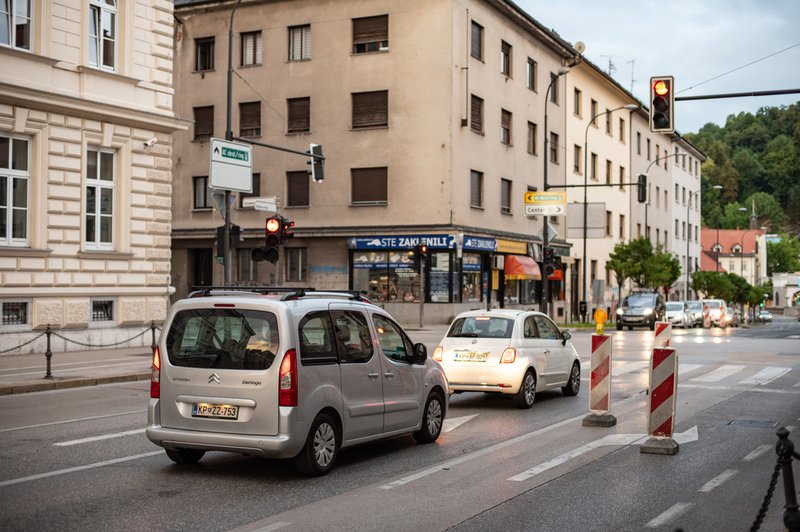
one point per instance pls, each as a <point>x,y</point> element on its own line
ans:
<point>299,374</point>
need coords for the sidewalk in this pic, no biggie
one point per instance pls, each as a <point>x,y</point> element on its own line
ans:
<point>27,373</point>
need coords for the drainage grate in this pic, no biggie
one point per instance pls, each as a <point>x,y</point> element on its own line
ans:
<point>753,423</point>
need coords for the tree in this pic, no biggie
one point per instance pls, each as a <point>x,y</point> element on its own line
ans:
<point>783,255</point>
<point>712,284</point>
<point>661,270</point>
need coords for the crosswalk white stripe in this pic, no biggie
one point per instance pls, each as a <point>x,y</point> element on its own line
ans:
<point>722,372</point>
<point>757,452</point>
<point>766,375</point>
<point>719,480</point>
<point>686,368</point>
<point>677,509</point>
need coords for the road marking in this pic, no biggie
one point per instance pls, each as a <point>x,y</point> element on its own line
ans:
<point>76,420</point>
<point>630,367</point>
<point>273,526</point>
<point>757,452</point>
<point>740,389</point>
<point>686,368</point>
<point>719,480</point>
<point>676,510</point>
<point>766,375</point>
<point>451,423</point>
<point>722,372</point>
<point>61,365</point>
<point>60,370</point>
<point>98,438</point>
<point>78,468</point>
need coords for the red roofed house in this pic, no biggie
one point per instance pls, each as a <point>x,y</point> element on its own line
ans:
<point>739,251</point>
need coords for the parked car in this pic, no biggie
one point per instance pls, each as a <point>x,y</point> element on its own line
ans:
<point>297,375</point>
<point>716,311</point>
<point>677,314</point>
<point>694,310</point>
<point>641,309</point>
<point>731,318</point>
<point>764,316</point>
<point>510,352</point>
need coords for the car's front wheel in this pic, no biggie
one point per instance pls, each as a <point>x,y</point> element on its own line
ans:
<point>185,456</point>
<point>574,383</point>
<point>432,419</point>
<point>527,391</point>
<point>321,447</point>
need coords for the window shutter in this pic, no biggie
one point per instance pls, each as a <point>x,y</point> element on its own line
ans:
<point>370,109</point>
<point>299,115</point>
<point>476,44</point>
<point>476,114</point>
<point>369,185</point>
<point>250,119</point>
<point>203,122</point>
<point>370,29</point>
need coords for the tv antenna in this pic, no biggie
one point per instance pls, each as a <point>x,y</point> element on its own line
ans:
<point>633,64</point>
<point>611,66</point>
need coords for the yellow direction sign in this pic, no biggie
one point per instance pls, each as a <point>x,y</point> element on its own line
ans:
<point>546,198</point>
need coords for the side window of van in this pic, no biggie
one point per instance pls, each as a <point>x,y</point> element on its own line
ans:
<point>317,340</point>
<point>352,336</point>
<point>394,343</point>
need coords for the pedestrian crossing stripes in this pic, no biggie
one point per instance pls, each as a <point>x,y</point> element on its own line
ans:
<point>766,375</point>
<point>722,372</point>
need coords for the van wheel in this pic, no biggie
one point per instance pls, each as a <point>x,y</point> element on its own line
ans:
<point>652,325</point>
<point>320,450</point>
<point>527,392</point>
<point>574,383</point>
<point>619,326</point>
<point>185,456</point>
<point>432,419</point>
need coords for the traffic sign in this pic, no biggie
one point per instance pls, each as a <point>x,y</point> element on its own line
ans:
<point>546,197</point>
<point>231,166</point>
<point>551,209</point>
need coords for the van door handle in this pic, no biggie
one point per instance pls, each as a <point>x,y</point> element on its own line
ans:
<point>389,375</point>
<point>546,351</point>
<point>372,375</point>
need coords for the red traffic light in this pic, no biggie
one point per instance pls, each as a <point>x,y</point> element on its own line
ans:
<point>273,225</point>
<point>661,87</point>
<point>662,100</point>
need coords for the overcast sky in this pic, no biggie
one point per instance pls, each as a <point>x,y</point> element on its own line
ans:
<point>694,41</point>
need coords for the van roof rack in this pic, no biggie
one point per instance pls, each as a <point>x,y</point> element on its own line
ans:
<point>289,293</point>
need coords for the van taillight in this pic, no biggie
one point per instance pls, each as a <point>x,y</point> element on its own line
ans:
<point>287,380</point>
<point>155,378</point>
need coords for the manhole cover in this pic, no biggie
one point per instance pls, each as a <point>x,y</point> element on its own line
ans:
<point>753,423</point>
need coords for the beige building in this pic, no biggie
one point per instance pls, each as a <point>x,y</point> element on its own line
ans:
<point>86,124</point>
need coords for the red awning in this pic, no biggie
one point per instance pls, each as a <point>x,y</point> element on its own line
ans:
<point>520,267</point>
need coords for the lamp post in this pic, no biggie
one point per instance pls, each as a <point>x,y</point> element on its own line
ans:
<point>630,107</point>
<point>718,187</point>
<point>694,193</point>
<point>545,239</point>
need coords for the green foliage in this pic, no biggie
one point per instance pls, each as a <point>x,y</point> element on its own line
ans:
<point>712,285</point>
<point>661,270</point>
<point>629,259</point>
<point>784,255</point>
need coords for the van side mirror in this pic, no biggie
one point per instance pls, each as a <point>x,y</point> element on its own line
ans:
<point>420,353</point>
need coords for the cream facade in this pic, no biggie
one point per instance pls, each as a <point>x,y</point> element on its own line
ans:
<point>86,127</point>
<point>686,206</point>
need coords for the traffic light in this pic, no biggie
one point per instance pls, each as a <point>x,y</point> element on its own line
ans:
<point>220,242</point>
<point>286,232</point>
<point>317,163</point>
<point>549,261</point>
<point>273,228</point>
<point>419,254</point>
<point>641,188</point>
<point>662,100</point>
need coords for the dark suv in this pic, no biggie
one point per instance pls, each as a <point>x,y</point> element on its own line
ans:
<point>642,309</point>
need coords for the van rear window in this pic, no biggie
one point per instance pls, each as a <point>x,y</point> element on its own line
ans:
<point>223,338</point>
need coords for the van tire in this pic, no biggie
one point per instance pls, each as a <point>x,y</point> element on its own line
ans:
<point>432,419</point>
<point>185,456</point>
<point>321,448</point>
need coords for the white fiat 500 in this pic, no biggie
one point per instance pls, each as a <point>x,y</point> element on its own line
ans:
<point>513,352</point>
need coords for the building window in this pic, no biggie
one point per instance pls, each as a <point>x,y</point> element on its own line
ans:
<point>532,74</point>
<point>251,48</point>
<point>296,264</point>
<point>99,229</point>
<point>532,149</point>
<point>677,187</point>
<point>553,147</point>
<point>608,172</point>
<point>648,149</point>
<point>299,115</point>
<point>202,194</point>
<point>203,122</point>
<point>297,189</point>
<point>15,313</point>
<point>622,227</point>
<point>576,162</point>
<point>14,181</point>
<point>505,196</point>
<point>370,109</point>
<point>638,230</point>
<point>577,102</point>
<point>370,34</point>
<point>638,143</point>
<point>476,189</point>
<point>505,58</point>
<point>608,223</point>
<point>476,41</point>
<point>593,271</point>
<point>369,185</point>
<point>254,194</point>
<point>505,126</point>
<point>476,114</point>
<point>593,110</point>
<point>622,130</point>
<point>608,121</point>
<point>622,177</point>
<point>658,196</point>
<point>250,119</point>
<point>204,54</point>
<point>593,167</point>
<point>102,310</point>
<point>102,33</point>
<point>300,43</point>
<point>554,89</point>
<point>15,23</point>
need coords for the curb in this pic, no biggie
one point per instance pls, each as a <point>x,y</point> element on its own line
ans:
<point>62,383</point>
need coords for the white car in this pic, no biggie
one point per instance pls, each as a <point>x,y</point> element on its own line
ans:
<point>677,314</point>
<point>512,352</point>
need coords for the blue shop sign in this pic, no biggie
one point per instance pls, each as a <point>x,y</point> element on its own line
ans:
<point>479,243</point>
<point>402,241</point>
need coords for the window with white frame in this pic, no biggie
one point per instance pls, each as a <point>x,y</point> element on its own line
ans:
<point>532,138</point>
<point>204,54</point>
<point>99,225</point>
<point>505,196</point>
<point>476,189</point>
<point>202,194</point>
<point>103,34</point>
<point>14,183</point>
<point>300,43</point>
<point>532,74</point>
<point>15,23</point>
<point>251,48</point>
<point>296,263</point>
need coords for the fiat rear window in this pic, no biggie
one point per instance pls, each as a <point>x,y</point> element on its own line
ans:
<point>482,327</point>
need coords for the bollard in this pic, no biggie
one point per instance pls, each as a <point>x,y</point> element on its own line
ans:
<point>48,354</point>
<point>600,383</point>
<point>661,402</point>
<point>785,449</point>
<point>663,334</point>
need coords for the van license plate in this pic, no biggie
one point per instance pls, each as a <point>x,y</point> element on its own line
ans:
<point>217,411</point>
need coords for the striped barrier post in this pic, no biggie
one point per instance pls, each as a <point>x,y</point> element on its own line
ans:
<point>663,333</point>
<point>661,402</point>
<point>600,390</point>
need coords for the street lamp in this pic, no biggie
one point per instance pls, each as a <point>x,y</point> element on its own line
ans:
<point>545,240</point>
<point>629,107</point>
<point>694,193</point>
<point>718,187</point>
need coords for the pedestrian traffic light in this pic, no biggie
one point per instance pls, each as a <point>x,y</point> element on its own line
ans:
<point>286,232</point>
<point>273,228</point>
<point>419,254</point>
<point>316,162</point>
<point>662,100</point>
<point>641,188</point>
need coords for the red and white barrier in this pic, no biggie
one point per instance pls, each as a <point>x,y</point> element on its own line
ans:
<point>661,401</point>
<point>600,384</point>
<point>663,332</point>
